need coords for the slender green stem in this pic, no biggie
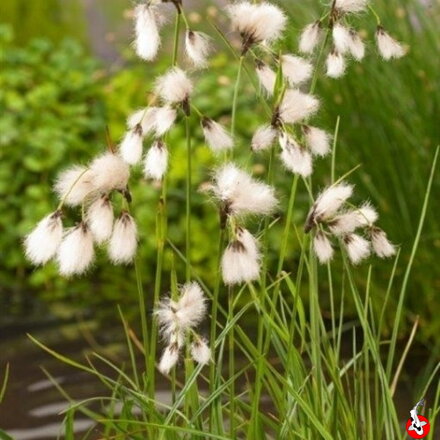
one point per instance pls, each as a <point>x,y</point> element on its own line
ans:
<point>231,349</point>
<point>188,198</point>
<point>235,97</point>
<point>176,37</point>
<point>213,330</point>
<point>143,312</point>
<point>160,236</point>
<point>335,143</point>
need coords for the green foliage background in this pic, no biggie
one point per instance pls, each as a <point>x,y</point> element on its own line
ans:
<point>55,101</point>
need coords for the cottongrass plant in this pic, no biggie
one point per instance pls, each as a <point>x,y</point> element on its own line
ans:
<point>293,378</point>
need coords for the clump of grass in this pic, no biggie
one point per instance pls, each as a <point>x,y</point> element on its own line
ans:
<point>292,379</point>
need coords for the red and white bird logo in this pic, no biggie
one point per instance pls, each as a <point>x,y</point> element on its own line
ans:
<point>417,426</point>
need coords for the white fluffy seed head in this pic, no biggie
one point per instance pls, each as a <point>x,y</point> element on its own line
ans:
<point>174,86</point>
<point>169,358</point>
<point>257,22</point>
<point>240,194</point>
<point>177,316</point>
<point>341,38</point>
<point>310,37</point>
<point>156,161</point>
<point>42,243</point>
<point>328,203</point>
<point>201,352</point>
<point>367,215</point>
<point>191,306</point>
<point>165,117</point>
<point>297,105</point>
<point>74,185</point>
<point>239,263</point>
<point>263,138</point>
<point>198,47</point>
<point>266,77</point>
<point>388,46</point>
<point>123,241</point>
<point>216,135</point>
<point>145,117</point>
<point>356,46</point>
<point>317,140</point>
<point>296,69</point>
<point>147,25</point>
<point>294,157</point>
<point>382,247</point>
<point>358,248</point>
<point>130,147</point>
<point>351,6</point>
<point>76,253</point>
<point>100,219</point>
<point>344,223</point>
<point>335,64</point>
<point>322,247</point>
<point>109,172</point>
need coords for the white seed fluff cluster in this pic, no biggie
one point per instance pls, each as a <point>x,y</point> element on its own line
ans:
<point>198,48</point>
<point>216,135</point>
<point>256,23</point>
<point>388,47</point>
<point>241,259</point>
<point>330,217</point>
<point>91,187</point>
<point>177,320</point>
<point>240,194</point>
<point>148,21</point>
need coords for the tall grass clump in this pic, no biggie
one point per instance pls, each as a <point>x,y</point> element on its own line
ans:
<point>273,363</point>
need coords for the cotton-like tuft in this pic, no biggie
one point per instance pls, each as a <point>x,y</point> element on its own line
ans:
<point>169,358</point>
<point>145,117</point>
<point>356,46</point>
<point>198,47</point>
<point>317,140</point>
<point>266,77</point>
<point>76,252</point>
<point>100,219</point>
<point>357,248</point>
<point>240,194</point>
<point>310,37</point>
<point>264,137</point>
<point>239,264</point>
<point>201,352</point>
<point>335,64</point>
<point>297,105</point>
<point>42,243</point>
<point>328,203</point>
<point>382,247</point>
<point>256,22</point>
<point>216,135</point>
<point>388,47</point>
<point>367,215</point>
<point>165,118</point>
<point>156,161</point>
<point>351,6</point>
<point>322,247</point>
<point>178,316</point>
<point>294,157</point>
<point>341,38</point>
<point>147,25</point>
<point>345,223</point>
<point>296,69</point>
<point>131,146</point>
<point>174,87</point>
<point>74,185</point>
<point>123,241</point>
<point>109,172</point>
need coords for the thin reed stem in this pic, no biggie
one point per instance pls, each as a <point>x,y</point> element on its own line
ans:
<point>188,199</point>
<point>235,97</point>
